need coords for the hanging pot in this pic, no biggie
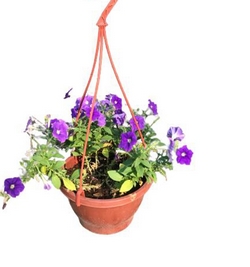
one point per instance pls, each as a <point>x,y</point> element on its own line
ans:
<point>107,216</point>
<point>104,216</point>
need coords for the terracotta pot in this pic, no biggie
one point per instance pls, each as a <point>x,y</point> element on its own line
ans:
<point>107,216</point>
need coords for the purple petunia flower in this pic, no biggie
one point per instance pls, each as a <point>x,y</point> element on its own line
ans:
<point>86,104</point>
<point>59,129</point>
<point>74,112</point>
<point>171,145</point>
<point>101,120</point>
<point>13,186</point>
<point>96,116</point>
<point>169,155</point>
<point>87,101</point>
<point>105,105</point>
<point>75,109</point>
<point>119,117</point>
<point>128,140</point>
<point>141,123</point>
<point>175,133</point>
<point>47,186</point>
<point>153,107</point>
<point>115,100</point>
<point>184,155</point>
<point>88,111</point>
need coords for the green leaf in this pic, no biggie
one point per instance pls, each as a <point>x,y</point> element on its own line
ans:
<point>58,165</point>
<point>105,152</point>
<point>128,162</point>
<point>93,148</point>
<point>75,153</point>
<point>37,157</point>
<point>161,144</point>
<point>139,171</point>
<point>58,155</point>
<point>114,175</point>
<point>69,184</point>
<point>137,162</point>
<point>108,130</point>
<point>125,170</point>
<point>56,181</point>
<point>107,137</point>
<point>75,174</point>
<point>146,163</point>
<point>163,172</point>
<point>126,186</point>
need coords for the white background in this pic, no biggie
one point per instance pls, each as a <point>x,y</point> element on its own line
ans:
<point>190,57</point>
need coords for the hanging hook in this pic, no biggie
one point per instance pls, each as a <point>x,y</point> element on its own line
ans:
<point>102,20</point>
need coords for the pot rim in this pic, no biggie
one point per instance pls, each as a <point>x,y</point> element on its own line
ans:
<point>108,203</point>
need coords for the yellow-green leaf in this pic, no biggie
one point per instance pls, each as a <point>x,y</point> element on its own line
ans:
<point>105,152</point>
<point>126,186</point>
<point>69,184</point>
<point>44,170</point>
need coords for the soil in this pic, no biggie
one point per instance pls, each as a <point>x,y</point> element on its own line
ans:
<point>101,187</point>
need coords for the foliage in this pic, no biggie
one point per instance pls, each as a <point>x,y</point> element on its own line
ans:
<point>120,153</point>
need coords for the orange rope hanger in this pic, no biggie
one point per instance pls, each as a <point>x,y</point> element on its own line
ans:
<point>102,37</point>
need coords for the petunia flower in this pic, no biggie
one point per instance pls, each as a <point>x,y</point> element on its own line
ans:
<point>169,155</point>
<point>96,116</point>
<point>74,110</point>
<point>184,155</point>
<point>128,140</point>
<point>13,186</point>
<point>47,186</point>
<point>87,101</point>
<point>101,120</point>
<point>175,133</point>
<point>115,100</point>
<point>59,129</point>
<point>44,178</point>
<point>105,105</point>
<point>153,107</point>
<point>119,117</point>
<point>141,123</point>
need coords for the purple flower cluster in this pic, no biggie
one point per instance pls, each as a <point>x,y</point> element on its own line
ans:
<point>129,139</point>
<point>114,102</point>
<point>86,108</point>
<point>183,154</point>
